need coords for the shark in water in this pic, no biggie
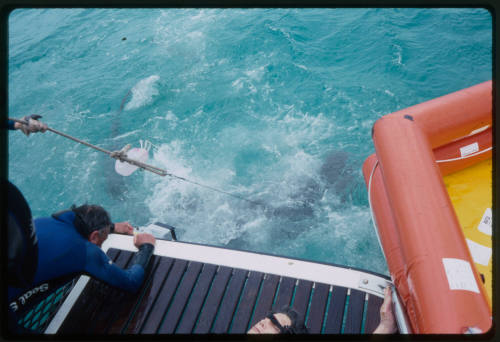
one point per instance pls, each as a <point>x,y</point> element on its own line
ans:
<point>116,184</point>
<point>335,175</point>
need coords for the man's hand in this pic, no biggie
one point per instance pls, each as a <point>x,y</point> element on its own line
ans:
<point>142,238</point>
<point>124,228</point>
<point>33,124</point>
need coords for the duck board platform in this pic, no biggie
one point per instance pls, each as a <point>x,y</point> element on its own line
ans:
<point>199,289</point>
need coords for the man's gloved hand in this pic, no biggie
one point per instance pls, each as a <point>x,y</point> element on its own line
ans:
<point>33,124</point>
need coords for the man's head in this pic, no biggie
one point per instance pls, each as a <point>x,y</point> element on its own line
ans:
<point>92,222</point>
<point>284,321</point>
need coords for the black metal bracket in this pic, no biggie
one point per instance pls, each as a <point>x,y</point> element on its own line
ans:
<point>170,228</point>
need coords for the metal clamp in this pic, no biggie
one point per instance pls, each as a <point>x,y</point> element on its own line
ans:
<point>170,228</point>
<point>120,155</point>
<point>373,284</point>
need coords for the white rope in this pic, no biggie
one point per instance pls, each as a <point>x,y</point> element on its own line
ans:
<point>371,209</point>
<point>465,157</point>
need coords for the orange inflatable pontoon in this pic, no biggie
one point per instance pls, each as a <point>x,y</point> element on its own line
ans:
<point>423,241</point>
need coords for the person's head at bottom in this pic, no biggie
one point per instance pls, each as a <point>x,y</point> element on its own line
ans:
<point>284,321</point>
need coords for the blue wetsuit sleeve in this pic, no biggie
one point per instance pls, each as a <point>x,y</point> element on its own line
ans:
<point>10,124</point>
<point>101,267</point>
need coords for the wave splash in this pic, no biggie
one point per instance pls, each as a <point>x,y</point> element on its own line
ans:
<point>143,92</point>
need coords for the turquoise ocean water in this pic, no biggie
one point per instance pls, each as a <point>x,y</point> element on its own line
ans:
<point>275,105</point>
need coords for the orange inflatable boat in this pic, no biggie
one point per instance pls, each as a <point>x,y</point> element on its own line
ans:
<point>425,155</point>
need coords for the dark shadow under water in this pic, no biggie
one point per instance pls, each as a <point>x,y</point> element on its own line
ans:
<point>122,188</point>
<point>335,175</point>
<point>115,183</point>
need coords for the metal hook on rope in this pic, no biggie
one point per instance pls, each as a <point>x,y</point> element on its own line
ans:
<point>120,155</point>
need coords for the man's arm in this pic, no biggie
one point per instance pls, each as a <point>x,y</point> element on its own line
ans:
<point>32,124</point>
<point>146,244</point>
<point>101,267</point>
<point>387,323</point>
<point>11,125</point>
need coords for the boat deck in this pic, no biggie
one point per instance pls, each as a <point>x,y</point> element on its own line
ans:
<point>183,294</point>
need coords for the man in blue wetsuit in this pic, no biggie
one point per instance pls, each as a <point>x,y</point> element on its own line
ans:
<point>47,254</point>
<point>69,245</point>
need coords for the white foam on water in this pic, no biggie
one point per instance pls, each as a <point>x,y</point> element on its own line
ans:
<point>252,88</point>
<point>169,196</point>
<point>170,116</point>
<point>143,92</point>
<point>127,134</point>
<point>184,36</point>
<point>251,80</point>
<point>258,222</point>
<point>191,208</point>
<point>195,35</point>
<point>168,156</point>
<point>300,66</point>
<point>398,58</point>
<point>256,73</point>
<point>238,83</point>
<point>308,128</point>
<point>272,149</point>
<point>203,15</point>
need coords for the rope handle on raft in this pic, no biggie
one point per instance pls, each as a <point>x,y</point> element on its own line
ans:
<point>465,157</point>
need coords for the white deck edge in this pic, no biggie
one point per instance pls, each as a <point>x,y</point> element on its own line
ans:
<point>281,266</point>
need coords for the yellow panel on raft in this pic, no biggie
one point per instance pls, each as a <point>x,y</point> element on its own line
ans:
<point>470,193</point>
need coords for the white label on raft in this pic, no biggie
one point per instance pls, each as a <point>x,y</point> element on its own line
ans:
<point>485,224</point>
<point>480,254</point>
<point>460,275</point>
<point>469,149</point>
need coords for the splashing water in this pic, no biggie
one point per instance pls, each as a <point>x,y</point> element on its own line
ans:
<point>143,92</point>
